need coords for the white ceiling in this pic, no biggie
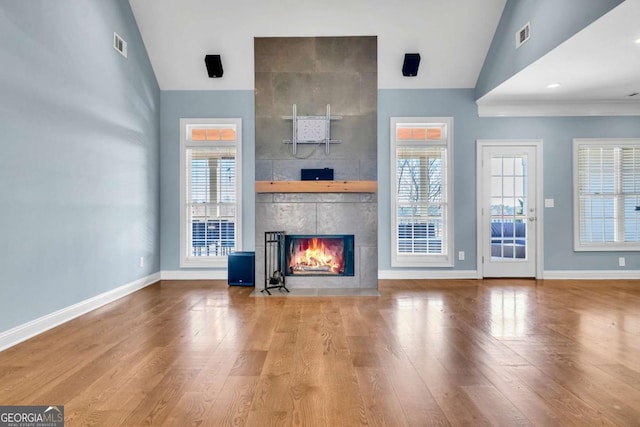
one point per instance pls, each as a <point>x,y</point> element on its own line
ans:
<point>597,69</point>
<point>452,36</point>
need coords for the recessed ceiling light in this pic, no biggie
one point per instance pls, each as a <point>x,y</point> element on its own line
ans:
<point>637,41</point>
<point>553,85</point>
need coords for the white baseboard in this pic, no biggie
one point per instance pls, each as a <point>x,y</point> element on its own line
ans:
<point>547,274</point>
<point>427,274</point>
<point>591,274</point>
<point>194,274</point>
<point>35,327</point>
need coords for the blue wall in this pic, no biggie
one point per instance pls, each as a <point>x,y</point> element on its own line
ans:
<point>79,184</point>
<point>89,171</point>
<point>557,134</point>
<point>552,23</point>
<point>201,104</point>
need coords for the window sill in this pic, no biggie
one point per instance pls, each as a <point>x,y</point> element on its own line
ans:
<point>607,248</point>
<point>209,262</point>
<point>434,261</point>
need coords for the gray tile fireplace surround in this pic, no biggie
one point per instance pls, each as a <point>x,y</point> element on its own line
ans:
<point>322,213</point>
<point>312,72</point>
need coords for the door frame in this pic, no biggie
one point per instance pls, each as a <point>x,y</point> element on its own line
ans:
<point>537,145</point>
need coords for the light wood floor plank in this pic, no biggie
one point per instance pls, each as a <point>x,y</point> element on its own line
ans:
<point>426,352</point>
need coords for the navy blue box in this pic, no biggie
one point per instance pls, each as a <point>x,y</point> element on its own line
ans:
<point>325,174</point>
<point>241,268</point>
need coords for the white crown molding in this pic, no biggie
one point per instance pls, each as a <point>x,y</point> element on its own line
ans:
<point>427,274</point>
<point>194,274</point>
<point>548,109</point>
<point>35,327</point>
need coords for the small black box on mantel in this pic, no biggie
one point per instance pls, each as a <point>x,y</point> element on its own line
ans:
<point>325,174</point>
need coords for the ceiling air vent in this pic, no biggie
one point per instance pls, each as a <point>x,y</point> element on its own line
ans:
<point>119,44</point>
<point>523,35</point>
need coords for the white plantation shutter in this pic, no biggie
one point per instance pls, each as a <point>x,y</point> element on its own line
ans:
<point>211,200</point>
<point>421,192</point>
<point>421,199</point>
<point>630,185</point>
<point>597,189</point>
<point>210,191</point>
<point>607,194</point>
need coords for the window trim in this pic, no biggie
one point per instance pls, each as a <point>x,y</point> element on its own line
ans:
<point>208,261</point>
<point>579,246</point>
<point>422,260</point>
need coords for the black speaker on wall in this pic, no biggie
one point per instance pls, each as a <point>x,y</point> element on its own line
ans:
<point>214,65</point>
<point>410,64</point>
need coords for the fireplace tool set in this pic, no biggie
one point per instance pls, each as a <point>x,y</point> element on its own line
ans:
<point>274,260</point>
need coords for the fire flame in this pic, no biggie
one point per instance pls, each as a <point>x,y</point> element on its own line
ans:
<point>319,256</point>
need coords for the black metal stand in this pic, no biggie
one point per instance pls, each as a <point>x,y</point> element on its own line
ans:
<point>274,261</point>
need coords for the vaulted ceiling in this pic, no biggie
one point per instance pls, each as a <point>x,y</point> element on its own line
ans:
<point>598,66</point>
<point>453,37</point>
<point>595,72</point>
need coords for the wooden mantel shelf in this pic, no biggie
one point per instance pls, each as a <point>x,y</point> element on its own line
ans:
<point>316,186</point>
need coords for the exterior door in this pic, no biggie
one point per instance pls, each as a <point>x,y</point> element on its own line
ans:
<point>508,210</point>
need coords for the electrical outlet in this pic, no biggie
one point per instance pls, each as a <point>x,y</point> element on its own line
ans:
<point>621,262</point>
<point>141,261</point>
<point>461,255</point>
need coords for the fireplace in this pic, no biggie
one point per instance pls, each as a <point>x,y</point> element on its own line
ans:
<point>319,255</point>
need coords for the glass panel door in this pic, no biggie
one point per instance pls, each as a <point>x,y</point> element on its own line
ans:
<point>509,211</point>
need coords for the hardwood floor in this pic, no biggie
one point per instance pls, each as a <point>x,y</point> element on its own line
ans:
<point>436,352</point>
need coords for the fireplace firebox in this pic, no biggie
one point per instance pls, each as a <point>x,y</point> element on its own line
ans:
<point>319,255</point>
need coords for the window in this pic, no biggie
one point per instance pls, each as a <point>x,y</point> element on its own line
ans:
<point>421,214</point>
<point>607,194</point>
<point>210,184</point>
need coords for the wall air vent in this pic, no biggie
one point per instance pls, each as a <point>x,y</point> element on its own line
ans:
<point>119,44</point>
<point>523,35</point>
